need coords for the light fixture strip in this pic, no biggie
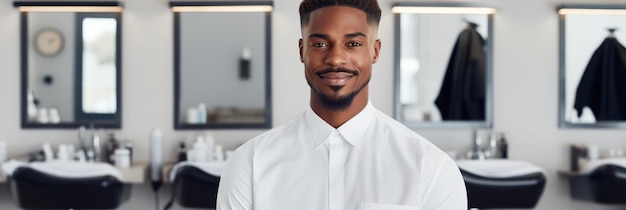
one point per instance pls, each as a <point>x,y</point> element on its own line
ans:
<point>580,11</point>
<point>249,8</point>
<point>70,9</point>
<point>443,10</point>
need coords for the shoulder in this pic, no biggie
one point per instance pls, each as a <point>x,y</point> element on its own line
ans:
<point>422,149</point>
<point>399,131</point>
<point>271,136</point>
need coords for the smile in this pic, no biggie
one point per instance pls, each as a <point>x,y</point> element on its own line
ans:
<point>336,78</point>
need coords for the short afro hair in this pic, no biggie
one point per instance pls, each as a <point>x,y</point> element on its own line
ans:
<point>370,7</point>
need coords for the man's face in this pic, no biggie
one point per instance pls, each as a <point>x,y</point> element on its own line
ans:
<point>338,48</point>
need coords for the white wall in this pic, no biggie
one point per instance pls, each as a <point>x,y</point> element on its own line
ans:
<point>525,89</point>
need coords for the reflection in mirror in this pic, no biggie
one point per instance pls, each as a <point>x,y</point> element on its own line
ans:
<point>222,68</point>
<point>593,66</point>
<point>98,69</point>
<point>70,69</point>
<point>443,66</point>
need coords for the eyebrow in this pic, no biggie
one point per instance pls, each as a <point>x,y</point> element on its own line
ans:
<point>324,36</point>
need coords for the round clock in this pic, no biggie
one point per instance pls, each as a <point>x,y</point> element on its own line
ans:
<point>49,42</point>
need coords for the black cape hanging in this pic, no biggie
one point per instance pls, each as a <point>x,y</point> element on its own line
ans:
<point>462,93</point>
<point>602,87</point>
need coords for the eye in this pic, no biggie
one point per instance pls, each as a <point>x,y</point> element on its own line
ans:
<point>354,44</point>
<point>319,44</point>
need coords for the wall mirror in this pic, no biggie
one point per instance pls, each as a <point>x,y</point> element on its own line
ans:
<point>443,65</point>
<point>70,64</point>
<point>592,90</point>
<point>222,69</point>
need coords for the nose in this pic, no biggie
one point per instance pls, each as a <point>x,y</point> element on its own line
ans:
<point>336,57</point>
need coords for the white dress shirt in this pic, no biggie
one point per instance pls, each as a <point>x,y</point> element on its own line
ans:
<point>370,162</point>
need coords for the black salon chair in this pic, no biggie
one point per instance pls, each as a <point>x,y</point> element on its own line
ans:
<point>194,188</point>
<point>32,189</point>
<point>605,184</point>
<point>511,192</point>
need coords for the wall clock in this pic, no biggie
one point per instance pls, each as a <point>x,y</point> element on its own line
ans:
<point>49,42</point>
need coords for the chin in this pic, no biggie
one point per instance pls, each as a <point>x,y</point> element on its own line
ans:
<point>336,102</point>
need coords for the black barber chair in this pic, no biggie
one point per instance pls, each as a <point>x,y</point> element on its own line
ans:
<point>32,189</point>
<point>511,192</point>
<point>194,188</point>
<point>605,184</point>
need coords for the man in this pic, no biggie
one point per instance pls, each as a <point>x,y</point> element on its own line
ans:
<point>342,153</point>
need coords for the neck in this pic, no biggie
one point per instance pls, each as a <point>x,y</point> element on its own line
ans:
<point>336,118</point>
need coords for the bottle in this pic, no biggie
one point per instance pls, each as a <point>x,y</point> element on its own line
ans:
<point>47,151</point>
<point>32,106</point>
<point>43,116</point>
<point>156,139</point>
<point>54,115</point>
<point>199,150</point>
<point>244,64</point>
<point>503,148</point>
<point>218,154</point>
<point>129,146</point>
<point>62,153</point>
<point>494,150</point>
<point>109,148</point>
<point>182,152</point>
<point>71,152</point>
<point>202,113</point>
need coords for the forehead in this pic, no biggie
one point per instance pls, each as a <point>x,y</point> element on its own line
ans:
<point>337,17</point>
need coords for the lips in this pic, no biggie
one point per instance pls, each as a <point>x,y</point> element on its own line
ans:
<point>336,78</point>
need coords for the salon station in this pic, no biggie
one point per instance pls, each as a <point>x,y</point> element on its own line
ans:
<point>140,104</point>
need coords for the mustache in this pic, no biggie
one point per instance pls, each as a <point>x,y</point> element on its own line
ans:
<point>340,69</point>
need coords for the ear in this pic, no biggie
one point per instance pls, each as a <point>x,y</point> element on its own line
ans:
<point>300,46</point>
<point>377,45</point>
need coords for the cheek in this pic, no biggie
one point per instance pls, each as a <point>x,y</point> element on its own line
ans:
<point>361,62</point>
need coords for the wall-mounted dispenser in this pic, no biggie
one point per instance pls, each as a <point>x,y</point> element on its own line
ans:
<point>244,64</point>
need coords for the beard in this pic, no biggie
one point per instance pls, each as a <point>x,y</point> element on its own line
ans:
<point>340,103</point>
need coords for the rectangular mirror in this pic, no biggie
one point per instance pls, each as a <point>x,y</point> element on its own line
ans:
<point>71,67</point>
<point>592,86</point>
<point>443,65</point>
<point>222,54</point>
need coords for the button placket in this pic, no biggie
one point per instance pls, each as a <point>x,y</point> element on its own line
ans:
<point>336,172</point>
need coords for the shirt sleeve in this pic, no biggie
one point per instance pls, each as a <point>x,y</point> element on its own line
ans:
<point>235,188</point>
<point>448,188</point>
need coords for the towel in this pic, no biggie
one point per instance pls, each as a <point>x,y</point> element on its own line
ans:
<point>10,166</point>
<point>214,168</point>
<point>65,169</point>
<point>499,168</point>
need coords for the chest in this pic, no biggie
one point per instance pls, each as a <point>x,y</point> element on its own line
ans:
<point>370,175</point>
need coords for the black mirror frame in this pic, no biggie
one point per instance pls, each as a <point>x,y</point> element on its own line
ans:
<point>268,66</point>
<point>109,121</point>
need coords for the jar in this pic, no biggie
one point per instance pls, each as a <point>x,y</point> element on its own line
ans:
<point>122,158</point>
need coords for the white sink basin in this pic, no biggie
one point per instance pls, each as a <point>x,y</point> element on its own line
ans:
<point>499,168</point>
<point>68,169</point>
<point>594,164</point>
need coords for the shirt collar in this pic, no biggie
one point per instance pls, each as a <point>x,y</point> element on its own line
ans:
<point>352,130</point>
